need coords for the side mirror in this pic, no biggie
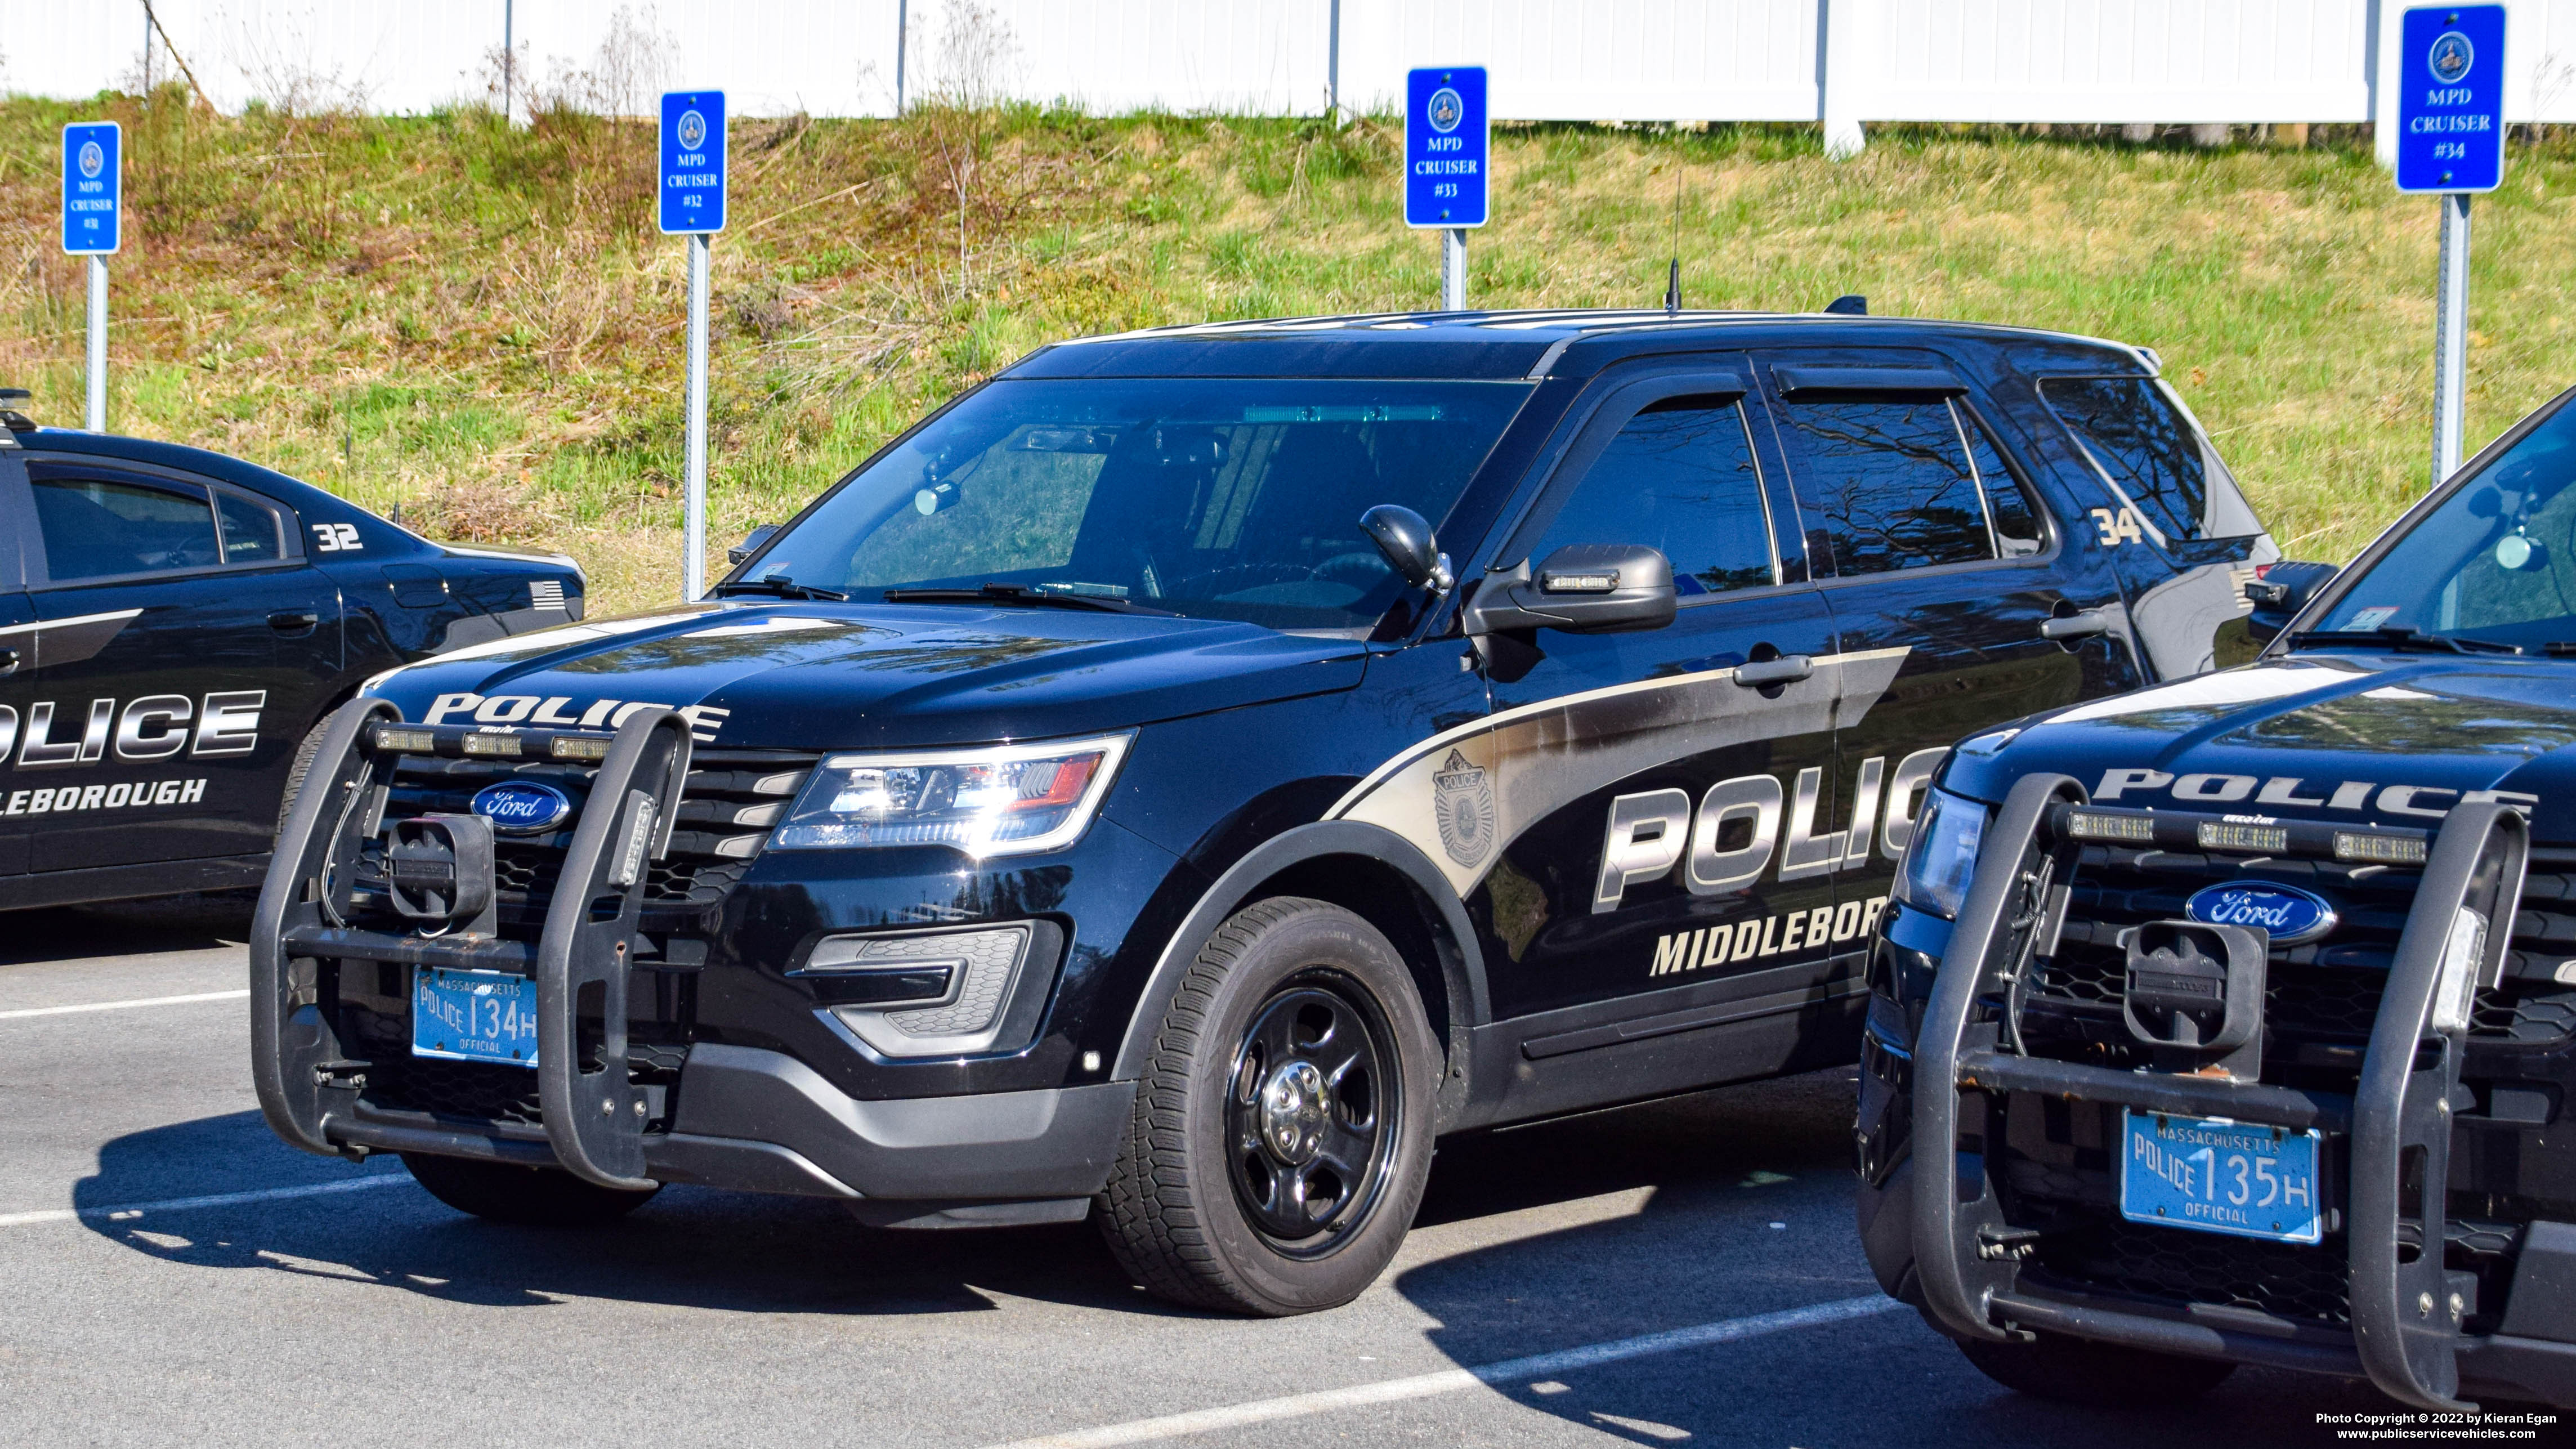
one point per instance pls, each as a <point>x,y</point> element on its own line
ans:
<point>2280,591</point>
<point>1582,588</point>
<point>751,544</point>
<point>1404,536</point>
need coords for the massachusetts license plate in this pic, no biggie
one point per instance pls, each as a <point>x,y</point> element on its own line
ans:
<point>2220,1176</point>
<point>474,1016</point>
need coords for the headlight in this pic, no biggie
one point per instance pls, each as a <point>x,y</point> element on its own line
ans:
<point>1000,800</point>
<point>1943,855</point>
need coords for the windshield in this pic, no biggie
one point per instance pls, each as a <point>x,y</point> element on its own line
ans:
<point>2495,562</point>
<point>1228,498</point>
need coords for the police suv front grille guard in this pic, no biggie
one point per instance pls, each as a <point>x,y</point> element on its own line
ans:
<point>309,1083</point>
<point>2406,1315</point>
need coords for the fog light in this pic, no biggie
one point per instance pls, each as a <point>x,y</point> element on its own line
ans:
<point>975,969</point>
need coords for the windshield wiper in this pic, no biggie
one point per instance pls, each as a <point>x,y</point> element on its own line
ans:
<point>2403,639</point>
<point>781,586</point>
<point>1020,595</point>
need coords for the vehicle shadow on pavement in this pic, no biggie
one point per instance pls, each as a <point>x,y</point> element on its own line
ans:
<point>1747,1209</point>
<point>127,928</point>
<point>689,1247</point>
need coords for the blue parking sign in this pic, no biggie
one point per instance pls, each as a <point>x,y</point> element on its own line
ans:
<point>2450,98</point>
<point>1445,146</point>
<point>693,161</point>
<point>93,188</point>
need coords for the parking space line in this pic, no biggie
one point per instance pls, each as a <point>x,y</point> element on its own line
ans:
<point>122,1005</point>
<point>1420,1386</point>
<point>219,1199</point>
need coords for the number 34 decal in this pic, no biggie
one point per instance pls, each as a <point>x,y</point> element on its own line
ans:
<point>343,537</point>
<point>2117,528</point>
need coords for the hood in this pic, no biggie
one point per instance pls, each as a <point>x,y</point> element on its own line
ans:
<point>819,676</point>
<point>2380,739</point>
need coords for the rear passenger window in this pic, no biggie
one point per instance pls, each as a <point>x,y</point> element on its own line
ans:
<point>252,533</point>
<point>2147,445</point>
<point>95,528</point>
<point>2008,505</point>
<point>1891,482</point>
<point>1679,477</point>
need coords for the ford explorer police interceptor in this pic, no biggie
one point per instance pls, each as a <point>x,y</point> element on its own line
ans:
<point>173,625</point>
<point>2234,1021</point>
<point>1192,771</point>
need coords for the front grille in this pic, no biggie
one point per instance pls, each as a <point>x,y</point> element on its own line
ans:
<point>2325,991</point>
<point>726,809</point>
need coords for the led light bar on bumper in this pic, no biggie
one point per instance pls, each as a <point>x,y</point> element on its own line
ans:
<point>994,800</point>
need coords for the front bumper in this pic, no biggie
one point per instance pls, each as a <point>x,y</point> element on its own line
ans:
<point>735,1107</point>
<point>1975,1257</point>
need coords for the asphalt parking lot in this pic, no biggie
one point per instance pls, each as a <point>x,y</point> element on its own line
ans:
<point>301,1300</point>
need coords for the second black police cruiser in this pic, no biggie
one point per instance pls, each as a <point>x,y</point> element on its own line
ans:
<point>1111,793</point>
<point>174,624</point>
<point>2234,1021</point>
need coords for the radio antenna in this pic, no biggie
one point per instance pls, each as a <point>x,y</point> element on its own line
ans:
<point>1673,278</point>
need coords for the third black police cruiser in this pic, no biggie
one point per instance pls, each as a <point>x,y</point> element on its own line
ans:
<point>174,625</point>
<point>2234,1021</point>
<point>1111,792</point>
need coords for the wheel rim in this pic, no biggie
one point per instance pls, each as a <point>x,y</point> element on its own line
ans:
<point>1312,1107</point>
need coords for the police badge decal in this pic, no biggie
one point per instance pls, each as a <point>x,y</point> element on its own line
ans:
<point>1462,800</point>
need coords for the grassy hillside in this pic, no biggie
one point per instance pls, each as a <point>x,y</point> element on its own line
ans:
<point>477,323</point>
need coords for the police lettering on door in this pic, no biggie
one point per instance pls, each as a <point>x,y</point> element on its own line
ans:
<point>155,727</point>
<point>1737,830</point>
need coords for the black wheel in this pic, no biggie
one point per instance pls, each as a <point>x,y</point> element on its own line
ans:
<point>305,750</point>
<point>2079,1371</point>
<point>505,1192</point>
<point>1282,1134</point>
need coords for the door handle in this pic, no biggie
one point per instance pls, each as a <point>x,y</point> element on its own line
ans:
<point>1787,669</point>
<point>8,662</point>
<point>294,621</point>
<point>2076,626</point>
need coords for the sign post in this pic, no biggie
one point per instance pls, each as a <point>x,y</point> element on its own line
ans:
<point>93,214</point>
<point>693,205</point>
<point>2450,142</point>
<point>1447,138</point>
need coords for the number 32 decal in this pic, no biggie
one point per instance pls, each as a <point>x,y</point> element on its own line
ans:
<point>343,537</point>
<point>2117,528</point>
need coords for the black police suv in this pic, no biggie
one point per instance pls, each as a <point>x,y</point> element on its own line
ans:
<point>2238,1014</point>
<point>173,624</point>
<point>1112,793</point>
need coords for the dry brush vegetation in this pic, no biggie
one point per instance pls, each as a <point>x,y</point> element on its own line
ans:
<point>476,323</point>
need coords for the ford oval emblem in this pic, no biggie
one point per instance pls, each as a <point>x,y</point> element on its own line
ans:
<point>2288,913</point>
<point>522,807</point>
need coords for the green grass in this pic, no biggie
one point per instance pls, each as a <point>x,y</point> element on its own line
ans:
<point>477,324</point>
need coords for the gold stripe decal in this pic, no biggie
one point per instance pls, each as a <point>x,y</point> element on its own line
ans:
<point>1463,794</point>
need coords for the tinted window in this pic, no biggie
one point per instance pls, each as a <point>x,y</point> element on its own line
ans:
<point>2008,506</point>
<point>1230,498</point>
<point>94,528</point>
<point>251,530</point>
<point>2150,448</point>
<point>1890,481</point>
<point>1679,477</point>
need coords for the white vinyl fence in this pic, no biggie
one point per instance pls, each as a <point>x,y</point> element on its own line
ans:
<point>1839,62</point>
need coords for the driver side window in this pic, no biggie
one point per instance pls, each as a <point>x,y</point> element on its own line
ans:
<point>1679,477</point>
<point>97,528</point>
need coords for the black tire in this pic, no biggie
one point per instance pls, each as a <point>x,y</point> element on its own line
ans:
<point>305,750</point>
<point>1282,1134</point>
<point>505,1192</point>
<point>2079,1371</point>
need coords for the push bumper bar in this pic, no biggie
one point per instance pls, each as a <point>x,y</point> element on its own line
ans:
<point>2406,1308</point>
<point>309,1082</point>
